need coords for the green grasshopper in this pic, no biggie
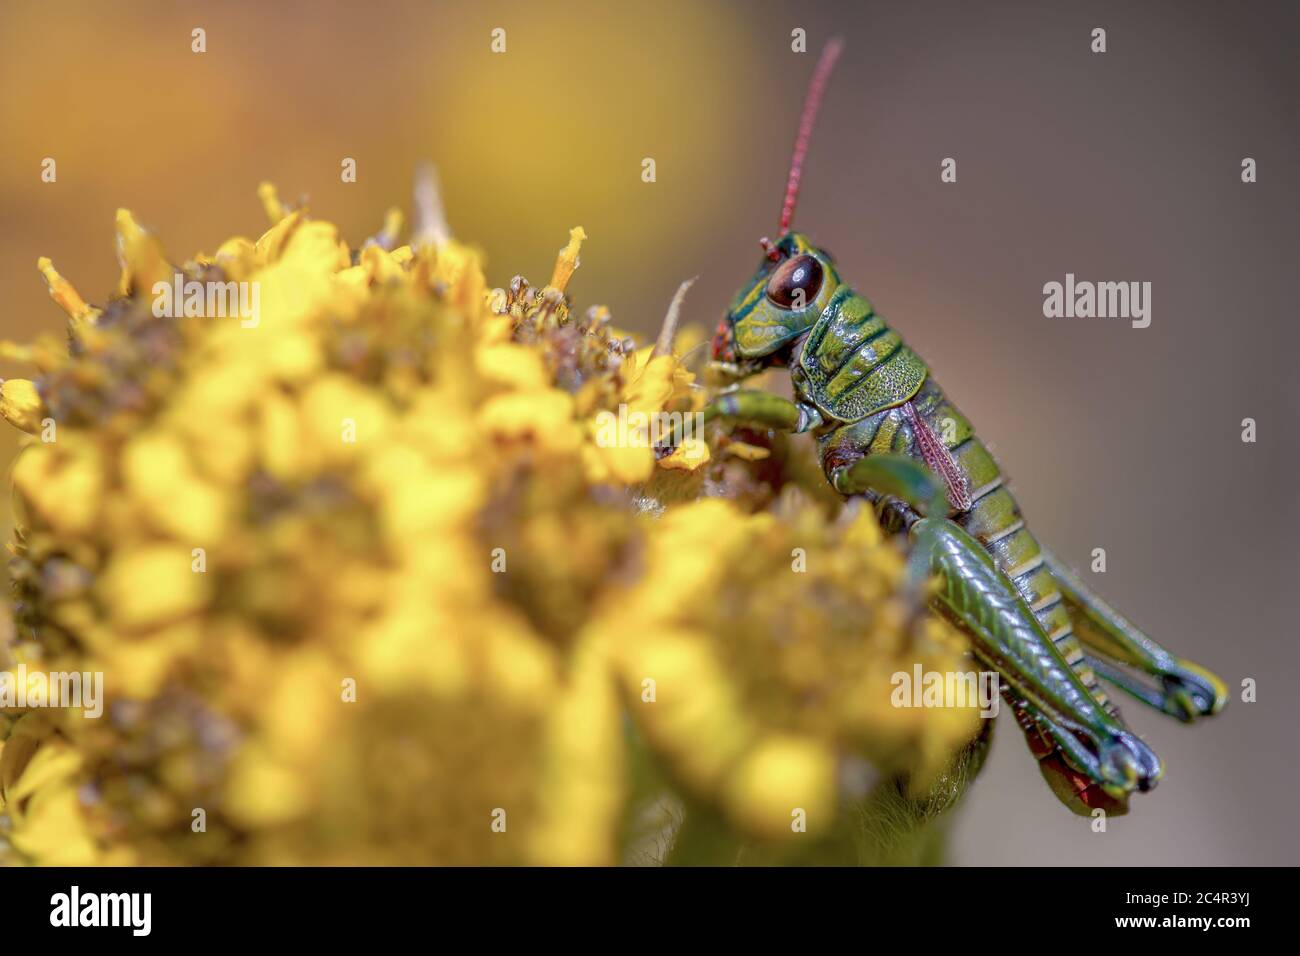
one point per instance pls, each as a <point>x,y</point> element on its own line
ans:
<point>886,431</point>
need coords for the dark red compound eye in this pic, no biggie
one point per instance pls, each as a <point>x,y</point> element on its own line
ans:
<point>795,283</point>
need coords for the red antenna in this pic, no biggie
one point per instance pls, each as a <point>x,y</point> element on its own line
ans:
<point>816,88</point>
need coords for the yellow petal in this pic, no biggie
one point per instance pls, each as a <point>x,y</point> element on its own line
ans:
<point>141,256</point>
<point>159,475</point>
<point>581,786</point>
<point>62,482</point>
<point>237,258</point>
<point>62,292</point>
<point>697,719</point>
<point>344,417</point>
<point>457,269</point>
<point>21,405</point>
<point>53,761</point>
<point>784,780</point>
<point>544,418</point>
<point>512,366</point>
<point>567,261</point>
<point>653,385</point>
<point>689,455</point>
<point>151,585</point>
<point>746,451</point>
<point>263,792</point>
<point>272,242</point>
<point>271,202</point>
<point>392,228</point>
<point>53,830</point>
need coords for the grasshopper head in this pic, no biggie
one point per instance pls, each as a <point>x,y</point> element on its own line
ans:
<point>792,286</point>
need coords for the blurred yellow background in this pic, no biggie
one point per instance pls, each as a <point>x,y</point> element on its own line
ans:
<point>556,127</point>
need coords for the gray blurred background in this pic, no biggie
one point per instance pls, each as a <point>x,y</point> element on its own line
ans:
<point>1119,166</point>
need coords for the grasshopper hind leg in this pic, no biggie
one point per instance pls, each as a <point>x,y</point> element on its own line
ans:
<point>1007,636</point>
<point>1093,743</point>
<point>1127,658</point>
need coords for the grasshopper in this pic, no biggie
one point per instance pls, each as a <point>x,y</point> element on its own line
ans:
<point>886,431</point>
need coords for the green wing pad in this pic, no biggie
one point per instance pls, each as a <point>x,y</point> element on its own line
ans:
<point>853,365</point>
<point>867,384</point>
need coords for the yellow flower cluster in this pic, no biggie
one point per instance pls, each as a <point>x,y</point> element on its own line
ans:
<point>367,584</point>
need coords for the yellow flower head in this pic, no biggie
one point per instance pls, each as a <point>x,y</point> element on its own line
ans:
<point>376,563</point>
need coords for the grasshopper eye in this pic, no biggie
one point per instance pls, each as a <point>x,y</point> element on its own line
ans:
<point>795,282</point>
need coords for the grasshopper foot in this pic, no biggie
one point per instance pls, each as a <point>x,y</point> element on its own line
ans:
<point>1127,764</point>
<point>1090,770</point>
<point>1193,692</point>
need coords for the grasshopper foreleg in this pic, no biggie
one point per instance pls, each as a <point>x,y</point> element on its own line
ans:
<point>761,409</point>
<point>756,407</point>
